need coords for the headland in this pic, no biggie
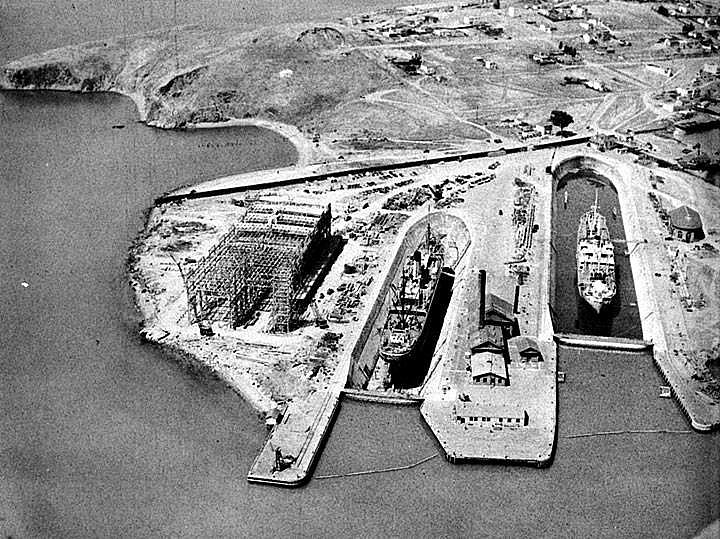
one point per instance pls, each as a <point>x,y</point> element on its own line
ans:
<point>278,281</point>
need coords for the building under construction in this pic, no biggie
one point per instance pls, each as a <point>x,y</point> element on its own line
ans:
<point>271,260</point>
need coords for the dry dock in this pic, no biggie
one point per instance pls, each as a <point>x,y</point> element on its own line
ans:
<point>663,323</point>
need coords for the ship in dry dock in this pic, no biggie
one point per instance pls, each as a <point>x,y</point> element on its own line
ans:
<point>414,301</point>
<point>595,259</point>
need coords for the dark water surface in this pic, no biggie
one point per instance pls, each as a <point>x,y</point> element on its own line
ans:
<point>620,318</point>
<point>101,436</point>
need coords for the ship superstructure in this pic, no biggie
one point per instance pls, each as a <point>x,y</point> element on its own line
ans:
<point>595,259</point>
<point>413,296</point>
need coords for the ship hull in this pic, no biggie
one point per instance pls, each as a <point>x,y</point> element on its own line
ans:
<point>408,368</point>
<point>595,261</point>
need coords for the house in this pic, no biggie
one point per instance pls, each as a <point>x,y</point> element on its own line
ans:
<point>525,351</point>
<point>488,356</point>
<point>544,129</point>
<point>499,312</point>
<point>487,339</point>
<point>711,68</point>
<point>474,413</point>
<point>489,368</point>
<point>686,224</point>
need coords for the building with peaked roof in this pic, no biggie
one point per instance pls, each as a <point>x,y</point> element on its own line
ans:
<point>499,312</point>
<point>489,368</point>
<point>487,339</point>
<point>524,350</point>
<point>686,224</point>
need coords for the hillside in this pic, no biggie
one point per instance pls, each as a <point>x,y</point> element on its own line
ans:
<point>291,74</point>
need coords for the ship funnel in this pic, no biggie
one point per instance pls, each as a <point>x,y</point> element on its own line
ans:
<point>481,285</point>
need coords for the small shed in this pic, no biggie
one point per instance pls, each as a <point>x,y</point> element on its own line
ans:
<point>487,339</point>
<point>686,224</point>
<point>524,350</point>
<point>489,368</point>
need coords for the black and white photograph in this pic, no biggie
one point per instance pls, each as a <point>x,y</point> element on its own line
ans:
<point>360,269</point>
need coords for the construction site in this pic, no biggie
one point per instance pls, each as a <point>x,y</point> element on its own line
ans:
<point>286,300</point>
<point>270,261</point>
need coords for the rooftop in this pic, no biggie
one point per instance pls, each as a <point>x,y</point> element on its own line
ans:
<point>484,363</point>
<point>486,338</point>
<point>685,218</point>
<point>498,310</point>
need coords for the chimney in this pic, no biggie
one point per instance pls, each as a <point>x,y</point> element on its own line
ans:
<point>481,285</point>
<point>517,299</point>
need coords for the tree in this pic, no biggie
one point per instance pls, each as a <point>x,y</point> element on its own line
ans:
<point>561,119</point>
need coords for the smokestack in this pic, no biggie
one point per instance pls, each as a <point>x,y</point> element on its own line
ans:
<point>481,285</point>
<point>517,299</point>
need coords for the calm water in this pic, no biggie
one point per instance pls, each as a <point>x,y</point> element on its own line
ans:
<point>102,436</point>
<point>620,318</point>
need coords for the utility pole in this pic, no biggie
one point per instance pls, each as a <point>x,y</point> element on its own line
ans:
<point>124,19</point>
<point>177,62</point>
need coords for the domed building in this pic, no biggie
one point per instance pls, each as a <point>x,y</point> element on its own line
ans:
<point>686,224</point>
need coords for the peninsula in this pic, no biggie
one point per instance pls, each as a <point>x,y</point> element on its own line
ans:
<point>446,128</point>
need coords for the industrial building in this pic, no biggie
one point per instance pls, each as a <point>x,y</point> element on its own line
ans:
<point>495,415</point>
<point>686,224</point>
<point>270,260</point>
<point>494,324</point>
<point>524,351</point>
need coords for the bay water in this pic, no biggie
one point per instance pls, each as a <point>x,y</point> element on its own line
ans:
<point>103,436</point>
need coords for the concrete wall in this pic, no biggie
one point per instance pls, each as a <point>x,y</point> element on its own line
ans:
<point>364,355</point>
<point>584,162</point>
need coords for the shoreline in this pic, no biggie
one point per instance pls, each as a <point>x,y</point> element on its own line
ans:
<point>303,147</point>
<point>291,133</point>
<point>154,335</point>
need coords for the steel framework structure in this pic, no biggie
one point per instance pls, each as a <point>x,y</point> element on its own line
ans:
<point>262,262</point>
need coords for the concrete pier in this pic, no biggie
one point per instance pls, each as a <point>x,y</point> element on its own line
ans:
<point>513,423</point>
<point>301,438</point>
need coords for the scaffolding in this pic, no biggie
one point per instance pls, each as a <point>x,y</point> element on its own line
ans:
<point>263,263</point>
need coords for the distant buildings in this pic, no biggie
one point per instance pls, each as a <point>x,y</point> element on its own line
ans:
<point>660,70</point>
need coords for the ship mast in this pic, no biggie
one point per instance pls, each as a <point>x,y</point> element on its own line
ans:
<point>402,299</point>
<point>427,241</point>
